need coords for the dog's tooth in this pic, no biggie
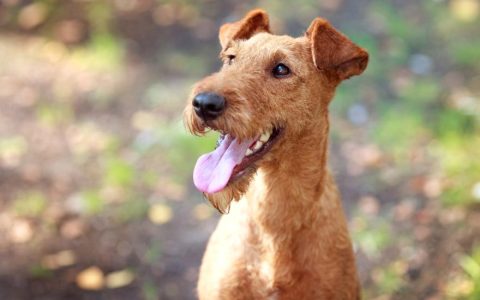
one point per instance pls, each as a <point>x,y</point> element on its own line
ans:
<point>264,137</point>
<point>249,152</point>
<point>257,145</point>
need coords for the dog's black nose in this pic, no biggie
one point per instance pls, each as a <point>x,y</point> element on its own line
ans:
<point>208,106</point>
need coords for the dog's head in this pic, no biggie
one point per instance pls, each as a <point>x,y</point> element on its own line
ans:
<point>269,88</point>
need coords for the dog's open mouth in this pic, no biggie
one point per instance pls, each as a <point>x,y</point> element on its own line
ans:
<point>230,159</point>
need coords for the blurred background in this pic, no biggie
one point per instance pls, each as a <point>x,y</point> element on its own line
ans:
<point>96,198</point>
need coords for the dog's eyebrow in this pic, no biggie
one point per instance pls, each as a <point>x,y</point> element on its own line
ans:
<point>230,45</point>
<point>280,55</point>
<point>226,49</point>
<point>229,50</point>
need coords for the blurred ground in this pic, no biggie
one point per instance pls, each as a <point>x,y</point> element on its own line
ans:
<point>96,200</point>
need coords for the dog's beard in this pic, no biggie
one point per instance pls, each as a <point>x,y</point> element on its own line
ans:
<point>234,191</point>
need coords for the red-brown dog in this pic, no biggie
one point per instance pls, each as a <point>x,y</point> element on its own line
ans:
<point>286,237</point>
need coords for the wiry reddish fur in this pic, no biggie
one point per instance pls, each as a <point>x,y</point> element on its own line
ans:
<point>287,237</point>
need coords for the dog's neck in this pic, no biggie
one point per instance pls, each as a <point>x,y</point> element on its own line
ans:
<point>294,182</point>
<point>294,200</point>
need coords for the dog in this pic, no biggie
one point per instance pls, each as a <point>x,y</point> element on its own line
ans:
<point>286,237</point>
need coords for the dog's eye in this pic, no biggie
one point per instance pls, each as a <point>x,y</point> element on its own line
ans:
<point>230,59</point>
<point>280,71</point>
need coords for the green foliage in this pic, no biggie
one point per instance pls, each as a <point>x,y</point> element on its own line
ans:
<point>458,159</point>
<point>150,290</point>
<point>166,94</point>
<point>118,172</point>
<point>373,236</point>
<point>149,177</point>
<point>184,63</point>
<point>104,52</point>
<point>154,252</point>
<point>471,266</point>
<point>389,279</point>
<point>397,130</point>
<point>39,272</point>
<point>30,204</point>
<point>53,114</point>
<point>396,24</point>
<point>100,14</point>
<point>418,110</point>
<point>454,124</point>
<point>131,210</point>
<point>182,149</point>
<point>345,97</point>
<point>466,52</point>
<point>92,201</point>
<point>423,91</point>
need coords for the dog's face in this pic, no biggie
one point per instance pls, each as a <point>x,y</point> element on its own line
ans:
<point>269,89</point>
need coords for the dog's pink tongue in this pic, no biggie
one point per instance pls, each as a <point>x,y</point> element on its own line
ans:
<point>213,170</point>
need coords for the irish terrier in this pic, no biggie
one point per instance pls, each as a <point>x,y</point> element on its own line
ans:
<point>287,237</point>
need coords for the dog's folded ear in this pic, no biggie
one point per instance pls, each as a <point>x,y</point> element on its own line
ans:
<point>333,51</point>
<point>254,22</point>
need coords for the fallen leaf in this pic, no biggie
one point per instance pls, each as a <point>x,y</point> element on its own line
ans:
<point>160,213</point>
<point>465,10</point>
<point>119,279</point>
<point>91,279</point>
<point>58,260</point>
<point>21,231</point>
